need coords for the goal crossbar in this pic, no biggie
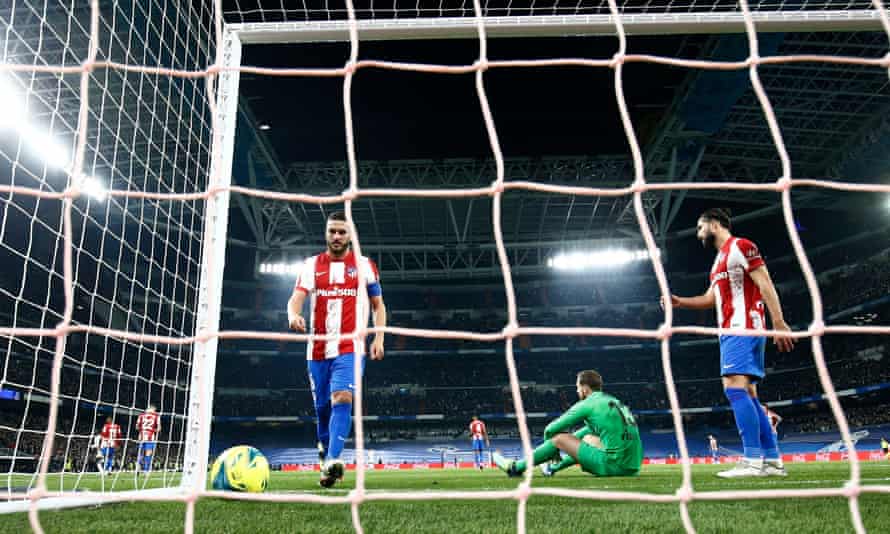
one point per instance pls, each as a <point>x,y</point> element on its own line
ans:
<point>556,26</point>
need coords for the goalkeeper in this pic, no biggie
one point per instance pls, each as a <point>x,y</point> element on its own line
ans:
<point>607,445</point>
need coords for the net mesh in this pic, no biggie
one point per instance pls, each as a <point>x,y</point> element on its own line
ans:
<point>94,259</point>
<point>175,198</point>
<point>245,11</point>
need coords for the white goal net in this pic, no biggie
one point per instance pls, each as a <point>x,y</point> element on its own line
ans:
<point>115,184</point>
<point>135,263</point>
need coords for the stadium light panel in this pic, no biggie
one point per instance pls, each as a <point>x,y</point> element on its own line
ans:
<point>14,112</point>
<point>50,150</point>
<point>281,269</point>
<point>94,188</point>
<point>598,259</point>
<point>41,143</point>
<point>15,118</point>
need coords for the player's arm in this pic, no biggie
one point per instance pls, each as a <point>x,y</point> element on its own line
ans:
<point>295,318</point>
<point>485,435</point>
<point>375,296</point>
<point>379,317</point>
<point>567,421</point>
<point>762,280</point>
<point>705,301</point>
<point>305,284</point>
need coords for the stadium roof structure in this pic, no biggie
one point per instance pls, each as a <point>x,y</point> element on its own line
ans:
<point>694,125</point>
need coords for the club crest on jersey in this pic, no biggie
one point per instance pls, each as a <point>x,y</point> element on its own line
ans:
<point>351,272</point>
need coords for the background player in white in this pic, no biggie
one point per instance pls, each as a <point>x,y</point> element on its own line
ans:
<point>148,425</point>
<point>774,420</point>
<point>479,436</point>
<point>715,451</point>
<point>739,286</point>
<point>111,433</point>
<point>331,278</point>
<point>100,460</point>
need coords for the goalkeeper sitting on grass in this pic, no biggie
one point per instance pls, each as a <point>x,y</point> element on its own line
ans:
<point>607,445</point>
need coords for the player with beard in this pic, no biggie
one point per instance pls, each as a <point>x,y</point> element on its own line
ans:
<point>337,309</point>
<point>607,443</point>
<point>739,287</point>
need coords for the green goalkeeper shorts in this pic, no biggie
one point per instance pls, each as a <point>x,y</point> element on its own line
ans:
<point>597,462</point>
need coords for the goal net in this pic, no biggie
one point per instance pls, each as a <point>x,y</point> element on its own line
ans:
<point>116,178</point>
<point>134,262</point>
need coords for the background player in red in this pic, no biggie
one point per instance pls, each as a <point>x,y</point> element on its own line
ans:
<point>332,280</point>
<point>148,425</point>
<point>739,286</point>
<point>479,436</point>
<point>110,438</point>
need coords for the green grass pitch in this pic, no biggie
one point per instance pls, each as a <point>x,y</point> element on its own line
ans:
<point>545,514</point>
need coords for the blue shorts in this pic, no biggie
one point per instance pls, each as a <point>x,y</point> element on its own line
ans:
<point>146,448</point>
<point>741,355</point>
<point>328,376</point>
<point>478,444</point>
<point>107,452</point>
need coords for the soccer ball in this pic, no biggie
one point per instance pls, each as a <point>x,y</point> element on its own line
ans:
<point>240,468</point>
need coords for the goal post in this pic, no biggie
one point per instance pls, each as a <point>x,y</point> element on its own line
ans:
<point>200,410</point>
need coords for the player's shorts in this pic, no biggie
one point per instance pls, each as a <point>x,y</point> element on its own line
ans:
<point>478,444</point>
<point>597,462</point>
<point>107,452</point>
<point>146,448</point>
<point>335,374</point>
<point>742,355</point>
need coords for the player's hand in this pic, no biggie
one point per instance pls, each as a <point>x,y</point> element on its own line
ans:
<point>783,343</point>
<point>377,348</point>
<point>297,323</point>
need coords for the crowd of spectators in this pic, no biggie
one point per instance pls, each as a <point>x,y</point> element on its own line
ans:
<point>458,378</point>
<point>857,417</point>
<point>473,383</point>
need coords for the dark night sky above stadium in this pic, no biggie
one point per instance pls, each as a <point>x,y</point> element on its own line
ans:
<point>404,115</point>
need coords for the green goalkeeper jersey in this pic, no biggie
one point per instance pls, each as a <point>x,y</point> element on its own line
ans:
<point>610,420</point>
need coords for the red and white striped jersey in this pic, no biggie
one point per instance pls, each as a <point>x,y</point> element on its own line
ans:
<point>111,435</point>
<point>333,285</point>
<point>477,429</point>
<point>738,300</point>
<point>148,425</point>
